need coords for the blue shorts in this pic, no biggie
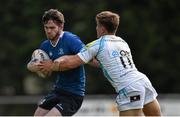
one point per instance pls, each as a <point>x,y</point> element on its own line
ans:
<point>67,103</point>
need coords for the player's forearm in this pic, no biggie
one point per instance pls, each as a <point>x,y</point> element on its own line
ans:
<point>94,63</point>
<point>68,62</point>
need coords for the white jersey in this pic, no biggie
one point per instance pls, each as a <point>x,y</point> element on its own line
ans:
<point>115,59</point>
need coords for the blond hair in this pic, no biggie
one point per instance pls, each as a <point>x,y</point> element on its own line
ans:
<point>109,20</point>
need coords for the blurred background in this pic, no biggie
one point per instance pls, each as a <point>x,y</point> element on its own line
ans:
<point>150,27</point>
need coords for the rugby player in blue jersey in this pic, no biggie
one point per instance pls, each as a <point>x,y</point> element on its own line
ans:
<point>135,93</point>
<point>69,88</point>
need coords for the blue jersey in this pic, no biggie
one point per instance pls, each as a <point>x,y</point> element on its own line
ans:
<point>72,80</point>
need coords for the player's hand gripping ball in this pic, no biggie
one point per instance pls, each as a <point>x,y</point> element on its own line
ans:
<point>37,56</point>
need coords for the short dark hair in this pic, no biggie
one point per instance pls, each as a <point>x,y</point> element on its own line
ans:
<point>109,20</point>
<point>53,14</point>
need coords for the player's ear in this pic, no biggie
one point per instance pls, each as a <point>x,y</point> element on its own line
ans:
<point>61,26</point>
<point>103,30</point>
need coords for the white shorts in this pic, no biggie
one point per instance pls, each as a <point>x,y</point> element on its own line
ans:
<point>136,95</point>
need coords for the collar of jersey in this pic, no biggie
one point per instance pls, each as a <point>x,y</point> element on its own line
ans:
<point>108,36</point>
<point>54,45</point>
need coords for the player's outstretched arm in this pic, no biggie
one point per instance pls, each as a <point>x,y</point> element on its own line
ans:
<point>68,62</point>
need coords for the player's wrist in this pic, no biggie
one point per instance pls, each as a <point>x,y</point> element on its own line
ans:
<point>55,66</point>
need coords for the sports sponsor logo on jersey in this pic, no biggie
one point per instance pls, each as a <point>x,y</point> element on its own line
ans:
<point>114,54</point>
<point>60,51</point>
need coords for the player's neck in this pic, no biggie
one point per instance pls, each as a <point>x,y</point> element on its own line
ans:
<point>108,34</point>
<point>56,39</point>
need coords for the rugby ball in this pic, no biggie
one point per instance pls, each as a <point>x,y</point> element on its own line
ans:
<point>37,56</point>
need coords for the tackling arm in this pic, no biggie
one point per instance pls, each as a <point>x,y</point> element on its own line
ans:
<point>94,63</point>
<point>67,62</point>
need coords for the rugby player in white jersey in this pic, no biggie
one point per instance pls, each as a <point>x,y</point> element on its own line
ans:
<point>136,95</point>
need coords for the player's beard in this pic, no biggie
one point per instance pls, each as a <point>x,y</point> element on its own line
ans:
<point>54,38</point>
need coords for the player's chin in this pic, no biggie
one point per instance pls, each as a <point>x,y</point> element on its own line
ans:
<point>49,37</point>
